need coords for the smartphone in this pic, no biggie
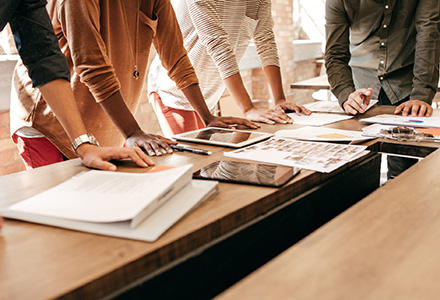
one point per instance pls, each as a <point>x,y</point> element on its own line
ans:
<point>247,173</point>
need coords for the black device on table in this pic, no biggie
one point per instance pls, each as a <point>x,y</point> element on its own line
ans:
<point>247,173</point>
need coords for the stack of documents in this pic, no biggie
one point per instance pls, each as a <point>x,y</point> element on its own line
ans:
<point>128,205</point>
<point>321,157</point>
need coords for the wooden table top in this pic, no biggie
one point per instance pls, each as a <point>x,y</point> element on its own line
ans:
<point>39,261</point>
<point>384,247</point>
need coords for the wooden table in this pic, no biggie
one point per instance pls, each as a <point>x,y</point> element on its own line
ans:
<point>384,247</point>
<point>228,237</point>
<point>315,83</point>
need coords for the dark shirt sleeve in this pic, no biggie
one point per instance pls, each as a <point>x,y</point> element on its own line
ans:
<point>36,41</point>
<point>337,50</point>
<point>427,50</point>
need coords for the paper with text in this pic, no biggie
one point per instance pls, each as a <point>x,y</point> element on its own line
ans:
<point>99,196</point>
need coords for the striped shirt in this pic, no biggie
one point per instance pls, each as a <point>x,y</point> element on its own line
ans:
<point>216,35</point>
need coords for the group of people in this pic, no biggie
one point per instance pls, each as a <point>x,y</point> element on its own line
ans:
<point>383,49</point>
<point>84,63</point>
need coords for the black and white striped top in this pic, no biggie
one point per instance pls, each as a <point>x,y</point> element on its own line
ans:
<point>216,35</point>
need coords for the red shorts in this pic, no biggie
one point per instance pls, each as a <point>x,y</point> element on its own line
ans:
<point>37,152</point>
<point>173,120</point>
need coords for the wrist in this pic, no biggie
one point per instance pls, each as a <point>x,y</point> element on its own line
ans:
<point>279,101</point>
<point>208,119</point>
<point>83,149</point>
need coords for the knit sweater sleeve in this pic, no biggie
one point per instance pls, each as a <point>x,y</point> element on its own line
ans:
<point>80,22</point>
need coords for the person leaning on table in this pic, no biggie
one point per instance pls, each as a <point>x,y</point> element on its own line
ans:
<point>106,44</point>
<point>216,35</point>
<point>39,50</point>
<point>386,50</point>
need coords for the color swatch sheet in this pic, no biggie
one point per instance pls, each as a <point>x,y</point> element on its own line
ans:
<point>321,134</point>
<point>388,119</point>
<point>321,157</point>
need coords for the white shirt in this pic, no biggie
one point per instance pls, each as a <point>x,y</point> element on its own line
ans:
<point>216,35</point>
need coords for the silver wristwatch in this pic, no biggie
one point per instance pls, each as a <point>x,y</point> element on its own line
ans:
<point>84,138</point>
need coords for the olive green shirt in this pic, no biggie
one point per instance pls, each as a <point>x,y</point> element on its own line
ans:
<point>389,44</point>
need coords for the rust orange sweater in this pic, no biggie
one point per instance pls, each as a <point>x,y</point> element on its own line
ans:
<point>95,39</point>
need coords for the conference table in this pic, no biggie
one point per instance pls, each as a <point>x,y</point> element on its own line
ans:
<point>384,247</point>
<point>222,241</point>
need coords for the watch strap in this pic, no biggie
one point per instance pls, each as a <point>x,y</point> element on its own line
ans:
<point>84,138</point>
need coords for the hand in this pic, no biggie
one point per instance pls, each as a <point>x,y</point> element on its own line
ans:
<point>99,157</point>
<point>228,121</point>
<point>416,107</point>
<point>284,105</point>
<point>1,223</point>
<point>152,143</point>
<point>358,101</point>
<point>268,116</point>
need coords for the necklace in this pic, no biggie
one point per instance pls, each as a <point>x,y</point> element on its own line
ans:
<point>134,54</point>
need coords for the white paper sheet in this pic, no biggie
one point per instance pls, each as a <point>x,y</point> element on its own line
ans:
<point>331,107</point>
<point>317,119</point>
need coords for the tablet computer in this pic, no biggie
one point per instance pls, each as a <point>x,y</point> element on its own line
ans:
<point>223,137</point>
<point>247,173</point>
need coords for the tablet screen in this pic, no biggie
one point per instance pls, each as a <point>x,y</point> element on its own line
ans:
<point>247,172</point>
<point>223,136</point>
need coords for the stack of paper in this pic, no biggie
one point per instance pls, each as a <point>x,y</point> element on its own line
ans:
<point>321,157</point>
<point>129,205</point>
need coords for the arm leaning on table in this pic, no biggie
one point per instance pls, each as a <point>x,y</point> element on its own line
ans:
<point>39,50</point>
<point>180,70</point>
<point>207,21</point>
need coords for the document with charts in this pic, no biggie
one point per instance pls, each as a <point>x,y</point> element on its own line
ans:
<point>321,157</point>
<point>130,205</point>
<point>430,122</point>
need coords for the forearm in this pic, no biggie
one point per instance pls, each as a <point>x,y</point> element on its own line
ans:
<point>337,50</point>
<point>117,110</point>
<point>273,74</point>
<point>195,97</point>
<point>234,85</point>
<point>58,94</point>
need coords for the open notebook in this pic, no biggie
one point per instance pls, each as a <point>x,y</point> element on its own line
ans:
<point>129,205</point>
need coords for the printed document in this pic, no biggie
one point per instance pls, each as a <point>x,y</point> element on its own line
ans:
<point>321,157</point>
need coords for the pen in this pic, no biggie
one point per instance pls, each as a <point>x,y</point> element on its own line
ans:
<point>188,149</point>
